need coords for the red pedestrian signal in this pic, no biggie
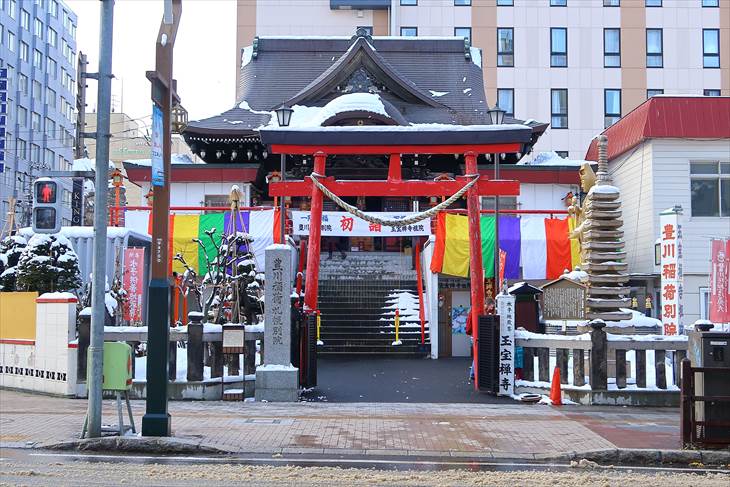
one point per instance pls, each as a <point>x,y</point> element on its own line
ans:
<point>46,192</point>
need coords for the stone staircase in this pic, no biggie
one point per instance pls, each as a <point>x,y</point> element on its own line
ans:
<point>358,296</point>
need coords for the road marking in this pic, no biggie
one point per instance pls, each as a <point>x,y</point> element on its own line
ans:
<point>232,460</point>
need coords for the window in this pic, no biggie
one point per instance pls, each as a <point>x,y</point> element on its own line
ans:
<point>612,107</point>
<point>37,90</point>
<point>38,59</point>
<point>559,109</point>
<point>558,47</point>
<point>562,153</point>
<point>66,198</point>
<point>409,31</point>
<point>51,67</point>
<point>558,3</point>
<point>11,42</point>
<point>50,128</point>
<point>710,3</point>
<point>35,121</point>
<point>710,188</point>
<point>650,93</point>
<point>11,12</point>
<point>367,28</point>
<point>711,48</point>
<point>506,100</point>
<point>23,84</point>
<point>462,3</point>
<point>35,153</point>
<point>612,48</point>
<point>704,303</point>
<point>20,151</point>
<point>409,2</point>
<point>52,37</point>
<point>654,55</point>
<point>505,3</point>
<point>653,3</point>
<point>711,93</point>
<point>23,51</point>
<point>505,202</point>
<point>464,32</point>
<point>611,3</point>
<point>50,158</point>
<point>505,47</point>
<point>50,98</point>
<point>53,8</point>
<point>21,116</point>
<point>24,19</point>
<point>38,28</point>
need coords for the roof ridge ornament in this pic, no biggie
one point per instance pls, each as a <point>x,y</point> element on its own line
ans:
<point>467,49</point>
<point>362,32</point>
<point>255,46</point>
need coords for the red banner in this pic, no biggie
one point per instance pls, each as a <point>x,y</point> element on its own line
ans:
<point>502,264</point>
<point>720,281</point>
<point>133,282</point>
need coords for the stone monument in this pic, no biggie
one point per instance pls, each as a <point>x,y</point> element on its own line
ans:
<point>277,380</point>
<point>603,255</point>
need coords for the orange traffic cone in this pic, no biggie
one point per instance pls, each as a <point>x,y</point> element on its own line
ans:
<point>555,394</point>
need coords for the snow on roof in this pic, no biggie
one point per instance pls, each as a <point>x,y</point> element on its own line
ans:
<point>174,159</point>
<point>86,164</point>
<point>416,127</point>
<point>476,55</point>
<point>604,189</point>
<point>550,159</point>
<point>437,94</point>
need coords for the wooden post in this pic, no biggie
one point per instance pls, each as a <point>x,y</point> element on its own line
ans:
<point>216,359</point>
<point>661,372</point>
<point>561,359</point>
<point>195,348</point>
<point>679,355</point>
<point>543,364</point>
<point>599,356</point>
<point>476,270</point>
<point>621,369</point>
<point>82,351</point>
<point>315,232</point>
<point>640,368</point>
<point>249,356</point>
<point>579,371</point>
<point>528,367</point>
<point>686,404</point>
<point>172,361</point>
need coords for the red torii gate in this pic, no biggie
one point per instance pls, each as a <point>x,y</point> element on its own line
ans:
<point>396,186</point>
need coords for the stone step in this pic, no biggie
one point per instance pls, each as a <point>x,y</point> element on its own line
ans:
<point>602,303</point>
<point>594,234</point>
<point>605,266</point>
<point>608,316</point>
<point>603,205</point>
<point>601,224</point>
<point>609,278</point>
<point>608,291</point>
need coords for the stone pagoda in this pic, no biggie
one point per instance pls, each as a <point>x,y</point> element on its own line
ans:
<point>602,246</point>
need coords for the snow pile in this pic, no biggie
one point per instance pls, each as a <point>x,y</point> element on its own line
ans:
<point>86,164</point>
<point>437,94</point>
<point>576,275</point>
<point>174,159</point>
<point>476,55</point>
<point>58,295</point>
<point>551,159</point>
<point>638,320</point>
<point>408,308</point>
<point>304,116</point>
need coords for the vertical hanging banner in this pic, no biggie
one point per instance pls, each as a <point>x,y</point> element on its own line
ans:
<point>77,202</point>
<point>158,167</point>
<point>670,234</point>
<point>720,281</point>
<point>506,312</point>
<point>3,114</point>
<point>133,282</point>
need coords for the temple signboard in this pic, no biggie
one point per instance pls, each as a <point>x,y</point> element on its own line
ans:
<point>563,299</point>
<point>343,224</point>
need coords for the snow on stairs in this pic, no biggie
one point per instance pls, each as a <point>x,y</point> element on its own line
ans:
<point>358,296</point>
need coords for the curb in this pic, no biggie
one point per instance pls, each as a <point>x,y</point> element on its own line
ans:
<point>636,456</point>
<point>131,444</point>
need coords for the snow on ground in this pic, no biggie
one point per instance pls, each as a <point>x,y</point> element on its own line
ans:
<point>140,369</point>
<point>406,303</point>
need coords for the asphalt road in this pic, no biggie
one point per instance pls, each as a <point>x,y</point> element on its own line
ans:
<point>366,378</point>
<point>38,468</point>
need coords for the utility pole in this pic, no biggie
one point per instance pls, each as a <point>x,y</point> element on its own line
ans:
<point>156,421</point>
<point>98,308</point>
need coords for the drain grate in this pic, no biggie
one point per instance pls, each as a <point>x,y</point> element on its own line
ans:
<point>272,421</point>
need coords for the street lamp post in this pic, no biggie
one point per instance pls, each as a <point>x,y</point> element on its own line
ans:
<point>496,117</point>
<point>283,117</point>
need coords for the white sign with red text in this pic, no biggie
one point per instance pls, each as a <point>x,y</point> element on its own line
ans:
<point>133,283</point>
<point>670,236</point>
<point>343,224</point>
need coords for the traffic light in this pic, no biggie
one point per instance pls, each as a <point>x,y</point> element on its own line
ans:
<point>46,206</point>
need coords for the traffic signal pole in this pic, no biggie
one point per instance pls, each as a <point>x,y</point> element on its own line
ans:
<point>98,307</point>
<point>156,421</point>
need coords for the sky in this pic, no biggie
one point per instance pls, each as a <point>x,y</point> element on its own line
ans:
<point>204,63</point>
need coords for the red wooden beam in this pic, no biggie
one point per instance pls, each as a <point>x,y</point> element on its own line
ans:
<point>393,188</point>
<point>332,150</point>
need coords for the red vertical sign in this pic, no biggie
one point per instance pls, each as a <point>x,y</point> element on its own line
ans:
<point>133,281</point>
<point>720,281</point>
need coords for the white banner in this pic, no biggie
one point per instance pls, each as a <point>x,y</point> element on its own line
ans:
<point>343,224</point>
<point>506,311</point>
<point>670,234</point>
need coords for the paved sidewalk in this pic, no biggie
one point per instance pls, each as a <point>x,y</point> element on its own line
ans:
<point>497,431</point>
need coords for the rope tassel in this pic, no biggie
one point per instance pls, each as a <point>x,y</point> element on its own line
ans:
<point>353,210</point>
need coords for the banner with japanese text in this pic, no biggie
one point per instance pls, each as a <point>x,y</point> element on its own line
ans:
<point>506,311</point>
<point>343,224</point>
<point>720,281</point>
<point>670,234</point>
<point>133,283</point>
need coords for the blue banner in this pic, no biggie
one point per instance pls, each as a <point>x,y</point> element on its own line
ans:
<point>158,166</point>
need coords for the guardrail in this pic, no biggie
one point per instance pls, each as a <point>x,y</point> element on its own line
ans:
<point>595,367</point>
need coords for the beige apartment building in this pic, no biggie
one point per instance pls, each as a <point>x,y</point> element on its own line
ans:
<point>578,64</point>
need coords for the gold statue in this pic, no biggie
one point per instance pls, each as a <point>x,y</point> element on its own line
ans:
<point>587,181</point>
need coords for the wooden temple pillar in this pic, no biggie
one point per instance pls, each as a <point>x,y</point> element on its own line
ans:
<point>476,269</point>
<point>315,233</point>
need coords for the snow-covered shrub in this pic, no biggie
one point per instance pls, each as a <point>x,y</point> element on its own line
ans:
<point>48,264</point>
<point>11,247</point>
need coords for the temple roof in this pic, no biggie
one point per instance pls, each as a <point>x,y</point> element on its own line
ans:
<point>384,80</point>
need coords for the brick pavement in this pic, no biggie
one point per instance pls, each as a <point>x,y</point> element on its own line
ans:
<point>514,430</point>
